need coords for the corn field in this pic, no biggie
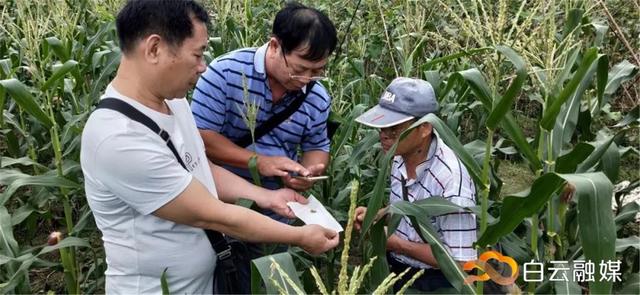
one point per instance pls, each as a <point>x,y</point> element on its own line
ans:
<point>535,94</point>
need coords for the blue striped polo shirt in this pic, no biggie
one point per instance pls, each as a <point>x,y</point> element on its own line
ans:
<point>218,104</point>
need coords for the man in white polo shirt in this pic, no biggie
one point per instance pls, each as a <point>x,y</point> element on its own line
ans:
<point>426,167</point>
<point>153,192</point>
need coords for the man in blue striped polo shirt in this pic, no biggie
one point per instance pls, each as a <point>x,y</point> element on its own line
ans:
<point>423,167</point>
<point>271,79</point>
<point>273,75</point>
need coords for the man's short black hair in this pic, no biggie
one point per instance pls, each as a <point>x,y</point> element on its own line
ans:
<point>171,19</point>
<point>298,25</point>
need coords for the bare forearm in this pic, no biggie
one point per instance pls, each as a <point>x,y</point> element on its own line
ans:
<point>311,158</point>
<point>220,149</point>
<point>231,187</point>
<point>418,251</point>
<point>196,207</point>
<point>248,225</point>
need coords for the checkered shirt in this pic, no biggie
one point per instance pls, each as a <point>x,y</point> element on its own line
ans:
<point>443,175</point>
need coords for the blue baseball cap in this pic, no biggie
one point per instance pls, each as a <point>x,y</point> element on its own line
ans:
<point>403,100</point>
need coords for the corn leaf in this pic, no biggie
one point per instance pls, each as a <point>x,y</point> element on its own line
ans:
<point>621,72</point>
<point>596,222</point>
<point>17,278</point>
<point>503,106</point>
<point>340,139</point>
<point>550,114</point>
<point>163,283</point>
<point>474,78</point>
<point>261,267</point>
<point>610,162</point>
<point>7,240</point>
<point>627,213</point>
<point>376,200</point>
<point>517,207</point>
<point>632,285</point>
<point>568,162</point>
<point>568,286</point>
<point>58,48</point>
<point>37,180</point>
<point>452,142</point>
<point>515,133</point>
<point>602,77</point>
<point>380,269</point>
<point>567,119</point>
<point>572,21</point>
<point>631,117</point>
<point>25,161</point>
<point>20,93</point>
<point>432,206</point>
<point>516,248</point>
<point>59,73</point>
<point>253,170</point>
<point>65,243</point>
<point>462,53</point>
<point>9,249</point>
<point>3,98</point>
<point>449,266</point>
<point>5,68</point>
<point>601,147</point>
<point>20,214</point>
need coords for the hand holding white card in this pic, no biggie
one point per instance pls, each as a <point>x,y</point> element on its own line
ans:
<point>315,213</point>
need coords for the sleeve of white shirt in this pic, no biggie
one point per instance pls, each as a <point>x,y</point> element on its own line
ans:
<point>141,170</point>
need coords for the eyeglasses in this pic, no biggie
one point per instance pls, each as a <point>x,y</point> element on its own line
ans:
<point>394,131</point>
<point>300,77</point>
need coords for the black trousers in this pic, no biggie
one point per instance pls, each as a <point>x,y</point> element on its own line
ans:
<point>431,279</point>
<point>257,250</point>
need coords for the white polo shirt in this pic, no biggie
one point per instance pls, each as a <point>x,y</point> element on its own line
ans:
<point>442,174</point>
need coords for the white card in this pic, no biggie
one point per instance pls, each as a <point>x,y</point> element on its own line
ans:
<point>315,213</point>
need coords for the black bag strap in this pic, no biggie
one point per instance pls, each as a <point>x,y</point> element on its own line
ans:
<point>217,240</point>
<point>276,119</point>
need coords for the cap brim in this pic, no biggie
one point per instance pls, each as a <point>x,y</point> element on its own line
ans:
<point>379,117</point>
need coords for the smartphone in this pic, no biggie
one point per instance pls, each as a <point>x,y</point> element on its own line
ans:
<point>313,178</point>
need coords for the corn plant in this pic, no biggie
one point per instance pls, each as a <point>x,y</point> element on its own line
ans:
<point>249,117</point>
<point>557,125</point>
<point>45,67</point>
<point>279,279</point>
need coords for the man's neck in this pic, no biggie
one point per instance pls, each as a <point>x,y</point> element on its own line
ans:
<point>277,90</point>
<point>129,83</point>
<point>413,158</point>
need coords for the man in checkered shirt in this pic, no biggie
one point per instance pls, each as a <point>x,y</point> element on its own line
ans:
<point>427,167</point>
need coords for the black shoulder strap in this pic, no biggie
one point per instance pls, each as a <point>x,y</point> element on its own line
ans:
<point>276,119</point>
<point>136,115</point>
<point>217,240</point>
